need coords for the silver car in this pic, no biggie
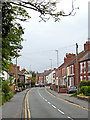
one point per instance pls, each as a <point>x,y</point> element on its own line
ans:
<point>71,89</point>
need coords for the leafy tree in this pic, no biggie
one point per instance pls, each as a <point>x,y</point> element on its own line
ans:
<point>5,88</point>
<point>12,31</point>
<point>33,73</point>
<point>33,80</point>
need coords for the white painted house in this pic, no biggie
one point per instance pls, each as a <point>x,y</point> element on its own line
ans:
<point>27,75</point>
<point>51,78</point>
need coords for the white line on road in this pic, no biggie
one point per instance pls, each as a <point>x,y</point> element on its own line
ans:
<point>69,117</point>
<point>53,106</point>
<point>49,103</point>
<point>61,111</point>
<point>45,100</point>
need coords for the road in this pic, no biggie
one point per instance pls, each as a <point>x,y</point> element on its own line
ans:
<point>41,104</point>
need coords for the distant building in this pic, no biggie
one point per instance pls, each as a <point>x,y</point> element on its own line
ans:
<point>20,75</point>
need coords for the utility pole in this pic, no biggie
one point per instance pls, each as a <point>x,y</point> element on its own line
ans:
<point>51,70</point>
<point>30,67</point>
<point>77,68</point>
<point>16,68</point>
<point>58,70</point>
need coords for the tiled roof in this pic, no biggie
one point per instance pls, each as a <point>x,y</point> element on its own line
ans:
<point>44,73</point>
<point>19,73</point>
<point>80,55</point>
<point>86,57</point>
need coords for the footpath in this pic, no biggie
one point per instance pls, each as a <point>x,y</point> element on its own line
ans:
<point>14,107</point>
<point>74,100</point>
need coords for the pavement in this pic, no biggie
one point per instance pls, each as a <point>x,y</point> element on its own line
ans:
<point>67,97</point>
<point>14,107</point>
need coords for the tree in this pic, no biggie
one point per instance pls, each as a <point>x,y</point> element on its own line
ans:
<point>44,7</point>
<point>33,73</point>
<point>12,31</point>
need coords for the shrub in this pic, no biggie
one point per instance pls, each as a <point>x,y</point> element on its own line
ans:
<point>27,83</point>
<point>7,93</point>
<point>5,88</point>
<point>23,84</point>
<point>74,94</point>
<point>19,84</point>
<point>84,83</point>
<point>85,90</point>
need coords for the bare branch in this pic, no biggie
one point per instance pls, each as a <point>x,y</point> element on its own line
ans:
<point>45,8</point>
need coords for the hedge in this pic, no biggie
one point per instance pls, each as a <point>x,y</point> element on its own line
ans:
<point>85,90</point>
<point>84,83</point>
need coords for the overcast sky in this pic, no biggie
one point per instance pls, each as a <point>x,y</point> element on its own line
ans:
<point>43,38</point>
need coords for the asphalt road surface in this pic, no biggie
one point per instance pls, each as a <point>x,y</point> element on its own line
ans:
<point>44,105</point>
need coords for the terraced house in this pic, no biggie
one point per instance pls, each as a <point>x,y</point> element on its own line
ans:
<point>83,67</point>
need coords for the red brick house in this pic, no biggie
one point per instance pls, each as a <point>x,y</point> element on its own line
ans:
<point>82,63</point>
<point>63,69</point>
<point>42,77</point>
<point>20,75</point>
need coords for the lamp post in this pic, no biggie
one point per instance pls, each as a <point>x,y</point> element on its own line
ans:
<point>77,68</point>
<point>51,70</point>
<point>58,70</point>
<point>16,68</point>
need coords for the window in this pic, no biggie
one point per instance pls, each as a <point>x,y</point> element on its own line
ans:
<point>71,81</point>
<point>88,78</point>
<point>72,69</point>
<point>88,66</point>
<point>53,75</point>
<point>84,77</point>
<point>81,78</point>
<point>84,67</point>
<point>81,67</point>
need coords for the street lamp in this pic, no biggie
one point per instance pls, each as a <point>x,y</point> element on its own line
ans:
<point>58,70</point>
<point>51,70</point>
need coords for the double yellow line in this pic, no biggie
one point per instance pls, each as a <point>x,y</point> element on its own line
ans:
<point>27,109</point>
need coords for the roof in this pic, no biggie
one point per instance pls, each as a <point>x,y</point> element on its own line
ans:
<point>19,72</point>
<point>86,57</point>
<point>80,55</point>
<point>44,73</point>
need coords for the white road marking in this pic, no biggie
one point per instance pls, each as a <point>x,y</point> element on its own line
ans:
<point>69,117</point>
<point>61,111</point>
<point>49,103</point>
<point>53,106</point>
<point>45,100</point>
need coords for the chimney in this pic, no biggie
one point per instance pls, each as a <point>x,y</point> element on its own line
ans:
<point>87,45</point>
<point>14,65</point>
<point>54,69</point>
<point>45,71</point>
<point>18,67</point>
<point>68,57</point>
<point>65,59</point>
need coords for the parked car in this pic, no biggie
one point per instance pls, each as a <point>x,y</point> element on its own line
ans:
<point>36,85</point>
<point>42,85</point>
<point>17,89</point>
<point>71,89</point>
